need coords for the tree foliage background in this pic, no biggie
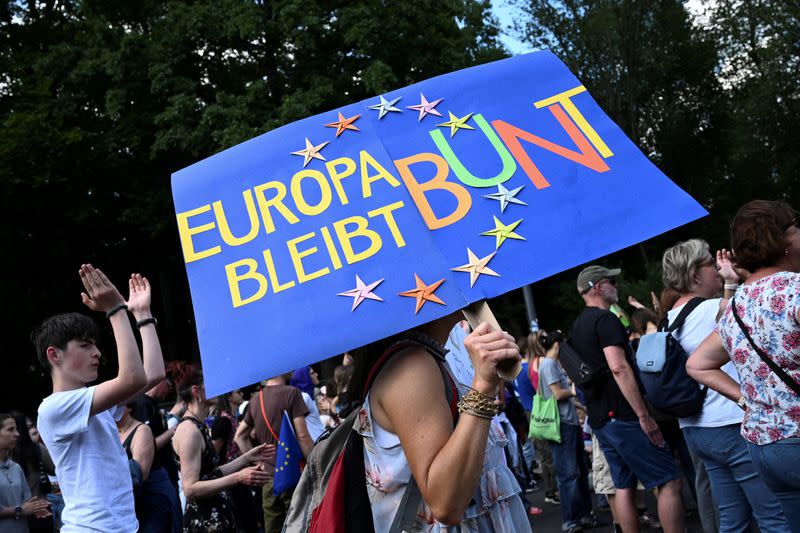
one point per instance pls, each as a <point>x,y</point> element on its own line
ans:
<point>101,100</point>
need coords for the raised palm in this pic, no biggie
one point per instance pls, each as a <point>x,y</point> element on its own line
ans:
<point>726,267</point>
<point>100,295</point>
<point>139,296</point>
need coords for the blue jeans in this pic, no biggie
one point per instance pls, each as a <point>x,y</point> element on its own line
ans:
<point>778,464</point>
<point>740,493</point>
<point>572,476</point>
<point>56,502</point>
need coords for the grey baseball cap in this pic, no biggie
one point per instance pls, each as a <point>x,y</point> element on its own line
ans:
<point>590,275</point>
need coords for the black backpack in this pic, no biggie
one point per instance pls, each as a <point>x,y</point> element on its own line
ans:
<point>662,369</point>
<point>579,370</point>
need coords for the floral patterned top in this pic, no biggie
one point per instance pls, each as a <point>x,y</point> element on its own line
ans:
<point>496,506</point>
<point>769,308</point>
<point>213,514</point>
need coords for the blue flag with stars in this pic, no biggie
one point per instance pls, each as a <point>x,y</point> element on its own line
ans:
<point>288,458</point>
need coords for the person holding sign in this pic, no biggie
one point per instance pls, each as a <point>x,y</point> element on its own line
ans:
<point>265,417</point>
<point>409,430</point>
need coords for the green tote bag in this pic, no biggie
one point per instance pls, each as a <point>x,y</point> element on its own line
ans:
<point>545,420</point>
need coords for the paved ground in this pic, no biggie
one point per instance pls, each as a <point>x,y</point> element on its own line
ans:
<point>550,520</point>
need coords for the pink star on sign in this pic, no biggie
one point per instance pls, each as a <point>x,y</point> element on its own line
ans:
<point>425,107</point>
<point>362,292</point>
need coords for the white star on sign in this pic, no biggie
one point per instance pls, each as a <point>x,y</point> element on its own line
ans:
<point>311,151</point>
<point>362,292</point>
<point>476,267</point>
<point>384,107</point>
<point>505,197</point>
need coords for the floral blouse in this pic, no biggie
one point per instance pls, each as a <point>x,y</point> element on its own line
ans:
<point>496,506</point>
<point>769,308</point>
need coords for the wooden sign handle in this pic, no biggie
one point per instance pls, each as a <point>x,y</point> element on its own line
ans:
<point>481,312</point>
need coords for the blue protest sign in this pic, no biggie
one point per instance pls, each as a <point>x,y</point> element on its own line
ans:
<point>343,228</point>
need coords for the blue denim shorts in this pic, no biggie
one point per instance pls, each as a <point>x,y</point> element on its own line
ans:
<point>631,456</point>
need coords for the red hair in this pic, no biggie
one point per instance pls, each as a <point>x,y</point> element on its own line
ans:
<point>186,376</point>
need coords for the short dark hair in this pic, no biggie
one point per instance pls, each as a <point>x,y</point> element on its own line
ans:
<point>58,330</point>
<point>757,233</point>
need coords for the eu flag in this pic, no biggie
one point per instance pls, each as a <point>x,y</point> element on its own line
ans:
<point>287,458</point>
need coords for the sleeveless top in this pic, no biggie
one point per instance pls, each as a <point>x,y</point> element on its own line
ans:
<point>126,445</point>
<point>215,513</point>
<point>496,505</point>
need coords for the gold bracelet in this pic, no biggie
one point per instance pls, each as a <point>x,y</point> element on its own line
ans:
<point>478,404</point>
<point>474,413</point>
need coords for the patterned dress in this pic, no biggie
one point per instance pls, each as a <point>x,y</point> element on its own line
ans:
<point>496,506</point>
<point>769,308</point>
<point>215,513</point>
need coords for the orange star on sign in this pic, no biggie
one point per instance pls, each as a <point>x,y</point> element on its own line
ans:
<point>424,293</point>
<point>344,124</point>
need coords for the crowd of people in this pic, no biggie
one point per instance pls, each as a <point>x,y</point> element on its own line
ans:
<point>149,451</point>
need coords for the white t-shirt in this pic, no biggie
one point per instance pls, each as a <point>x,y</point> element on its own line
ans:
<point>91,466</point>
<point>717,410</point>
<point>313,421</point>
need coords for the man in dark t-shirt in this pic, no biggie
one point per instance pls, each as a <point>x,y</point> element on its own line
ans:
<point>628,435</point>
<point>265,415</point>
<point>594,330</point>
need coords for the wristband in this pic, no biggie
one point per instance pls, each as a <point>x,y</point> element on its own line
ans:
<point>17,512</point>
<point>731,286</point>
<point>741,403</point>
<point>145,321</point>
<point>118,307</point>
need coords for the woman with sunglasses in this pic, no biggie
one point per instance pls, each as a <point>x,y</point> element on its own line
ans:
<point>718,451</point>
<point>760,332</point>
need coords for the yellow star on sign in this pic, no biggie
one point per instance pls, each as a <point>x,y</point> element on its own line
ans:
<point>424,293</point>
<point>456,123</point>
<point>476,267</point>
<point>344,124</point>
<point>310,152</point>
<point>502,232</point>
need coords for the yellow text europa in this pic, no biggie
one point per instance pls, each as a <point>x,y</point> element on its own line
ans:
<point>312,255</point>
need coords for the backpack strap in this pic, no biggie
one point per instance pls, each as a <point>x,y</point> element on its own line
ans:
<point>786,378</point>
<point>451,391</point>
<point>264,414</point>
<point>406,513</point>
<point>690,306</point>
